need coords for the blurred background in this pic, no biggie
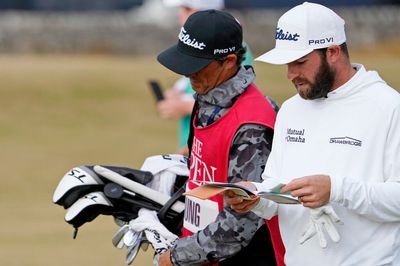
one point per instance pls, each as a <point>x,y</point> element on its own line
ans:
<point>74,92</point>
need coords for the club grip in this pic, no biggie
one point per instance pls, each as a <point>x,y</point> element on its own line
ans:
<point>142,177</point>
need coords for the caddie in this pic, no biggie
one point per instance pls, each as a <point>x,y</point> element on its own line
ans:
<point>179,101</point>
<point>230,140</point>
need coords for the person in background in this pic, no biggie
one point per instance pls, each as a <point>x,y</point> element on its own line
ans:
<point>179,101</point>
<point>230,140</point>
<point>336,147</point>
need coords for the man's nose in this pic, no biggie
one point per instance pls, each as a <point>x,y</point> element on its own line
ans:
<point>292,71</point>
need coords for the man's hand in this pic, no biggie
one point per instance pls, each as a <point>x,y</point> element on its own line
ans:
<point>183,151</point>
<point>313,191</point>
<point>174,105</point>
<point>164,259</point>
<point>237,203</point>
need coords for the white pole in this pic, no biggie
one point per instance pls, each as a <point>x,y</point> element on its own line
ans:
<point>147,192</point>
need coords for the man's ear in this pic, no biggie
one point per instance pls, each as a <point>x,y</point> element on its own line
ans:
<point>333,53</point>
<point>230,60</point>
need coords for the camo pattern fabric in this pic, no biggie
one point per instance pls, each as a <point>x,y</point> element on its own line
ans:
<point>248,154</point>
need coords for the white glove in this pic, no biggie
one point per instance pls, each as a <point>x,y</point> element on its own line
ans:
<point>156,233</point>
<point>165,168</point>
<point>322,218</point>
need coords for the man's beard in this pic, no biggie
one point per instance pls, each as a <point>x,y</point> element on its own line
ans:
<point>323,83</point>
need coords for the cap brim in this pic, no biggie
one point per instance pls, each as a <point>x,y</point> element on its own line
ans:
<point>182,63</point>
<point>280,56</point>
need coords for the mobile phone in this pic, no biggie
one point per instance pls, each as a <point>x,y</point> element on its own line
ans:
<point>156,90</point>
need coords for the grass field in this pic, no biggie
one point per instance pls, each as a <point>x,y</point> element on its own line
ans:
<point>61,111</point>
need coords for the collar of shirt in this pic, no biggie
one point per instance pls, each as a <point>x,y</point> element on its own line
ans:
<point>224,94</point>
<point>218,100</point>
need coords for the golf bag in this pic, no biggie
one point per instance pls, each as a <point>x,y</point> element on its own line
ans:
<point>88,191</point>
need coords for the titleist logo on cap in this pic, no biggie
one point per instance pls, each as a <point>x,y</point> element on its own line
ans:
<point>185,38</point>
<point>281,35</point>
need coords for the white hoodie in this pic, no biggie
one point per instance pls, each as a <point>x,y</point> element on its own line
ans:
<point>354,137</point>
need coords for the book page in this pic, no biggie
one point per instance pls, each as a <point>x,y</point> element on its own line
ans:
<point>211,189</point>
<point>278,198</point>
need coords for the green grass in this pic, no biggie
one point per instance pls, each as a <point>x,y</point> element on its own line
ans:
<point>57,112</point>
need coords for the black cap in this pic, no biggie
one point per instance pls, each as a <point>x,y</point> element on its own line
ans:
<point>206,35</point>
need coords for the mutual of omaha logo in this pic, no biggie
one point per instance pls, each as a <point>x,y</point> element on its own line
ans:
<point>186,39</point>
<point>295,135</point>
<point>346,141</point>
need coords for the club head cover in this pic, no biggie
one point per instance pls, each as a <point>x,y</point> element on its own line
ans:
<point>76,183</point>
<point>87,208</point>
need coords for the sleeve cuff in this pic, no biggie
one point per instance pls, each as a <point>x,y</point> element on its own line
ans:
<point>265,209</point>
<point>336,189</point>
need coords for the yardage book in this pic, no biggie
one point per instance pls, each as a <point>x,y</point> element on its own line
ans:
<point>213,188</point>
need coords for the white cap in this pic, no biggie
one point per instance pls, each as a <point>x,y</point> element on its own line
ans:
<point>301,30</point>
<point>197,4</point>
